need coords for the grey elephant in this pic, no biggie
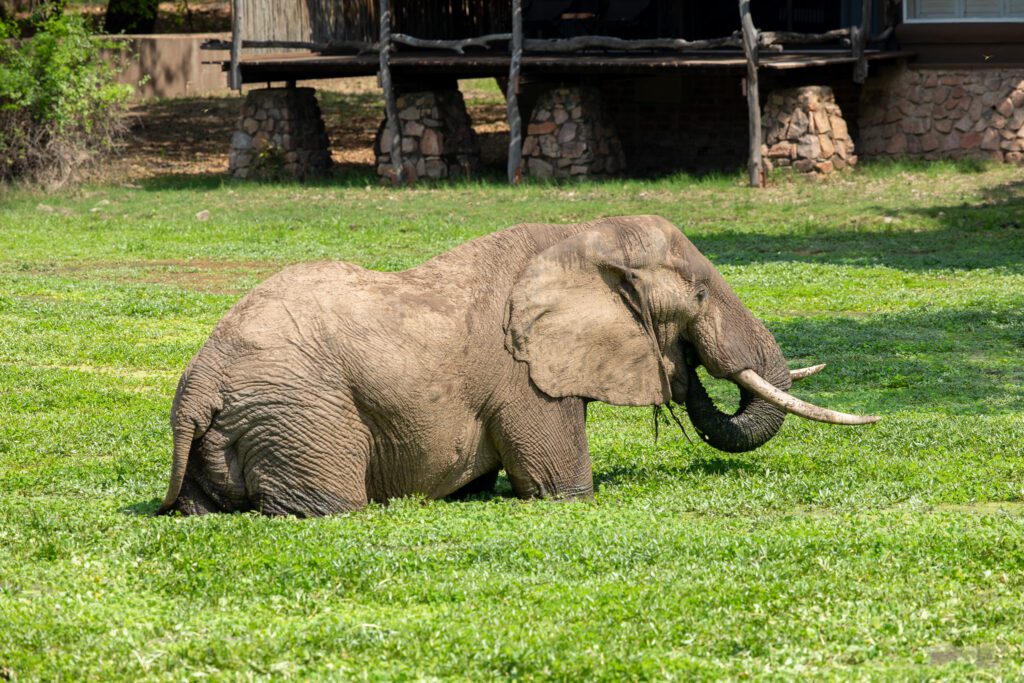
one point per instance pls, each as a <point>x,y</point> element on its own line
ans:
<point>329,385</point>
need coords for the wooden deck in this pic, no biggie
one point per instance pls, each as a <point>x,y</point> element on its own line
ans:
<point>308,66</point>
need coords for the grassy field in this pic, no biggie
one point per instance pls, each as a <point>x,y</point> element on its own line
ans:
<point>892,552</point>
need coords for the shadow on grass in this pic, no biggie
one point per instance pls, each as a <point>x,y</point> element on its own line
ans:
<point>989,234</point>
<point>705,463</point>
<point>960,361</point>
<point>883,167</point>
<point>143,508</point>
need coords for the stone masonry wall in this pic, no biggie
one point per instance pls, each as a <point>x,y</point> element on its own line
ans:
<point>569,135</point>
<point>438,140</point>
<point>935,113</point>
<point>804,129</point>
<point>280,133</point>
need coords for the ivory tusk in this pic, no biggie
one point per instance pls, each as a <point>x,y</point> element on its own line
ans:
<point>795,375</point>
<point>754,383</point>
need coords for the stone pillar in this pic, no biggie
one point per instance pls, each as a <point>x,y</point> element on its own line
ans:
<point>438,140</point>
<point>280,134</point>
<point>804,129</point>
<point>570,135</point>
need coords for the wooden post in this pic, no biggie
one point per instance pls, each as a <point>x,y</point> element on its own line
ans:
<point>858,43</point>
<point>754,166</point>
<point>235,74</point>
<point>391,126</point>
<point>515,123</point>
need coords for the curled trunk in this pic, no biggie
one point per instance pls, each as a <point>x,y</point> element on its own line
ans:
<point>753,423</point>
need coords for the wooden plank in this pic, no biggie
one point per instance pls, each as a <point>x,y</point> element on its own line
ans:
<point>287,20</point>
<point>515,123</point>
<point>611,43</point>
<point>754,167</point>
<point>262,68</point>
<point>391,129</point>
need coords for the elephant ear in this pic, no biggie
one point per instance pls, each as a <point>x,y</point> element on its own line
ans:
<point>578,316</point>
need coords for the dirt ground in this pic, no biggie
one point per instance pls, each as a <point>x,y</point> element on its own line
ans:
<point>192,136</point>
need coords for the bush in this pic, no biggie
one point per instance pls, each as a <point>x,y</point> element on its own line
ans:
<point>60,103</point>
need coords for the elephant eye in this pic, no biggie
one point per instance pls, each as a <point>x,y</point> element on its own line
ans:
<point>701,295</point>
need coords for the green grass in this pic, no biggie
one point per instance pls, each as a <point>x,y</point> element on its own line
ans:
<point>889,552</point>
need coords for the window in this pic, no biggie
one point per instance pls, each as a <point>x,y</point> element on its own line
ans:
<point>964,10</point>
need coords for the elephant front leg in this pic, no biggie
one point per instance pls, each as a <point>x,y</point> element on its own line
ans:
<point>543,446</point>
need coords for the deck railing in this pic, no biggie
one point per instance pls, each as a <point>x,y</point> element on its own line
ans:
<point>747,38</point>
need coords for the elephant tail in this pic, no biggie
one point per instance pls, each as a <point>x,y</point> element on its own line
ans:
<point>196,402</point>
<point>182,446</point>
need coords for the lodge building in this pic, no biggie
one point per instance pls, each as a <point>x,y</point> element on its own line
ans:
<point>598,87</point>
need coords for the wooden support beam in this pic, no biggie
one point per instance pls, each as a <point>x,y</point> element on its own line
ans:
<point>392,131</point>
<point>235,74</point>
<point>515,123</point>
<point>755,169</point>
<point>859,39</point>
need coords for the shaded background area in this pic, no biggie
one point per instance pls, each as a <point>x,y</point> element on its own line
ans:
<point>192,136</point>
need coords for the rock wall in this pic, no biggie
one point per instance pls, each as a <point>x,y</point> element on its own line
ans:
<point>804,128</point>
<point>438,140</point>
<point>280,134</point>
<point>569,135</point>
<point>942,113</point>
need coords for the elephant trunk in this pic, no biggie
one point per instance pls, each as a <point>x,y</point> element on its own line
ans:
<point>754,423</point>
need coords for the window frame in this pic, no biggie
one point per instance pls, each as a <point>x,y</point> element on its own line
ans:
<point>909,19</point>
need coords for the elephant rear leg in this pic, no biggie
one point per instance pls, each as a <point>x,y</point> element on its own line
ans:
<point>193,500</point>
<point>212,481</point>
<point>306,464</point>
<point>309,501</point>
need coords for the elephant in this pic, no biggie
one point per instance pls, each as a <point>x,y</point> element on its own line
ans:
<point>330,386</point>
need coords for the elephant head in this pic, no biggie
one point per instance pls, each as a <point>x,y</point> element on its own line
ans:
<point>624,312</point>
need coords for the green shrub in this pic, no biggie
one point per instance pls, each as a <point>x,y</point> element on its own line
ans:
<point>60,103</point>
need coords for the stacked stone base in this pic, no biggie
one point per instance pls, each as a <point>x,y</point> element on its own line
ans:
<point>437,138</point>
<point>280,134</point>
<point>570,135</point>
<point>935,113</point>
<point>804,129</point>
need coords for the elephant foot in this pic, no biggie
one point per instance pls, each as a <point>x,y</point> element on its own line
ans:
<point>193,500</point>
<point>565,494</point>
<point>306,502</point>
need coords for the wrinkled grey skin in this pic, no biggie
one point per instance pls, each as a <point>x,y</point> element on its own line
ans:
<point>329,385</point>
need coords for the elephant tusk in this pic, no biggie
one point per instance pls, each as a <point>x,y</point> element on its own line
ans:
<point>754,383</point>
<point>795,375</point>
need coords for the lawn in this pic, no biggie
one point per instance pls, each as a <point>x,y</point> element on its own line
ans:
<point>894,551</point>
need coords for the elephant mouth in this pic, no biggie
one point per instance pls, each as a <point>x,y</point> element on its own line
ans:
<point>763,405</point>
